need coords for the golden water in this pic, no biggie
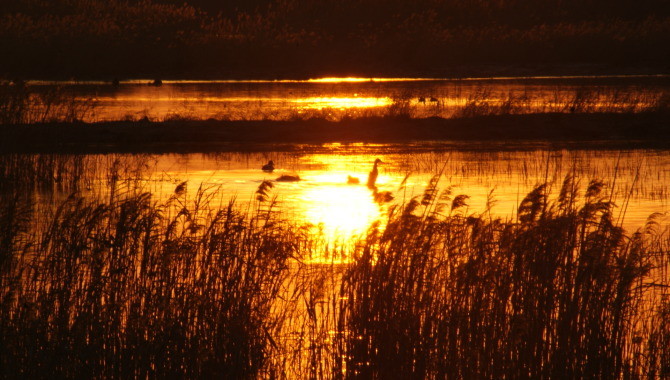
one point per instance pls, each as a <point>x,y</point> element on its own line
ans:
<point>335,98</point>
<point>638,180</point>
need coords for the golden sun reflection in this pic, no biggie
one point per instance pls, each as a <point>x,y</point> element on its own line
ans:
<point>360,80</point>
<point>342,211</point>
<point>342,102</point>
<point>340,80</point>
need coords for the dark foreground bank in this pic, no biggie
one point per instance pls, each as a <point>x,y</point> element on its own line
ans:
<point>621,130</point>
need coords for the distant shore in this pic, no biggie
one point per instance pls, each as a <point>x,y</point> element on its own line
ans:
<point>639,130</point>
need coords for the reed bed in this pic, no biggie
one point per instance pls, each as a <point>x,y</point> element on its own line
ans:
<point>127,286</point>
<point>21,104</point>
<point>556,294</point>
<point>301,39</point>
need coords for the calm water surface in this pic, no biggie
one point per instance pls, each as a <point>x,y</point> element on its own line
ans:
<point>335,98</point>
<point>638,180</point>
<point>493,180</point>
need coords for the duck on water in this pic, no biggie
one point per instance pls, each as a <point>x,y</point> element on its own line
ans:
<point>288,178</point>
<point>269,167</point>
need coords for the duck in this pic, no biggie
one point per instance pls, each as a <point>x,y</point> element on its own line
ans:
<point>382,196</point>
<point>372,177</point>
<point>157,83</point>
<point>269,167</point>
<point>352,180</point>
<point>288,178</point>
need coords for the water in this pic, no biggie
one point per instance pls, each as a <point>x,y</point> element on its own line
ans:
<point>336,98</point>
<point>493,180</point>
<point>637,180</point>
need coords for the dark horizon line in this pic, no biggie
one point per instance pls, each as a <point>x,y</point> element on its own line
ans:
<point>347,79</point>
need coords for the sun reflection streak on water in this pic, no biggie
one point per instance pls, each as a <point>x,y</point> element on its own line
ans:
<point>342,211</point>
<point>342,102</point>
<point>337,213</point>
<point>344,97</point>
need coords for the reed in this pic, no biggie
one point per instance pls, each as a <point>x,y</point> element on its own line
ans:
<point>555,294</point>
<point>130,287</point>
<point>106,39</point>
<point>22,104</point>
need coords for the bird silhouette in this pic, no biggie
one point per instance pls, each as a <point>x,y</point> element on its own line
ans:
<point>269,167</point>
<point>372,177</point>
<point>382,196</point>
<point>378,196</point>
<point>352,180</point>
<point>288,178</point>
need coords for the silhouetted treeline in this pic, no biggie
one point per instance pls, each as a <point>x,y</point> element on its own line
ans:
<point>298,38</point>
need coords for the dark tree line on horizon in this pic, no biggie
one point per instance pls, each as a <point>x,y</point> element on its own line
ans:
<point>298,38</point>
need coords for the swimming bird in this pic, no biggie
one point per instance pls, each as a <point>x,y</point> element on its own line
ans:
<point>157,83</point>
<point>372,177</point>
<point>269,167</point>
<point>382,196</point>
<point>288,178</point>
<point>352,180</point>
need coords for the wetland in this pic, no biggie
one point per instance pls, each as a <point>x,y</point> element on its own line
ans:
<point>515,227</point>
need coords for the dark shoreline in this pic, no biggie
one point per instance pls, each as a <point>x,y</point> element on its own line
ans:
<point>577,71</point>
<point>601,130</point>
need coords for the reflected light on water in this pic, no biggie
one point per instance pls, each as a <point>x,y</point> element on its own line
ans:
<point>340,80</point>
<point>333,102</point>
<point>421,97</point>
<point>342,211</point>
<point>360,80</point>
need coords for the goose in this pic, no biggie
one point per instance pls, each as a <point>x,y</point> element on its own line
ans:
<point>269,167</point>
<point>372,177</point>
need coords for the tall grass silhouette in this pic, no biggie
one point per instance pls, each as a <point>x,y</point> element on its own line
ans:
<point>22,104</point>
<point>124,286</point>
<point>554,295</point>
<point>130,288</point>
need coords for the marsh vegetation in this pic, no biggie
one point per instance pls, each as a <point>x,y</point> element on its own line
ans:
<point>126,283</point>
<point>301,38</point>
<point>215,266</point>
